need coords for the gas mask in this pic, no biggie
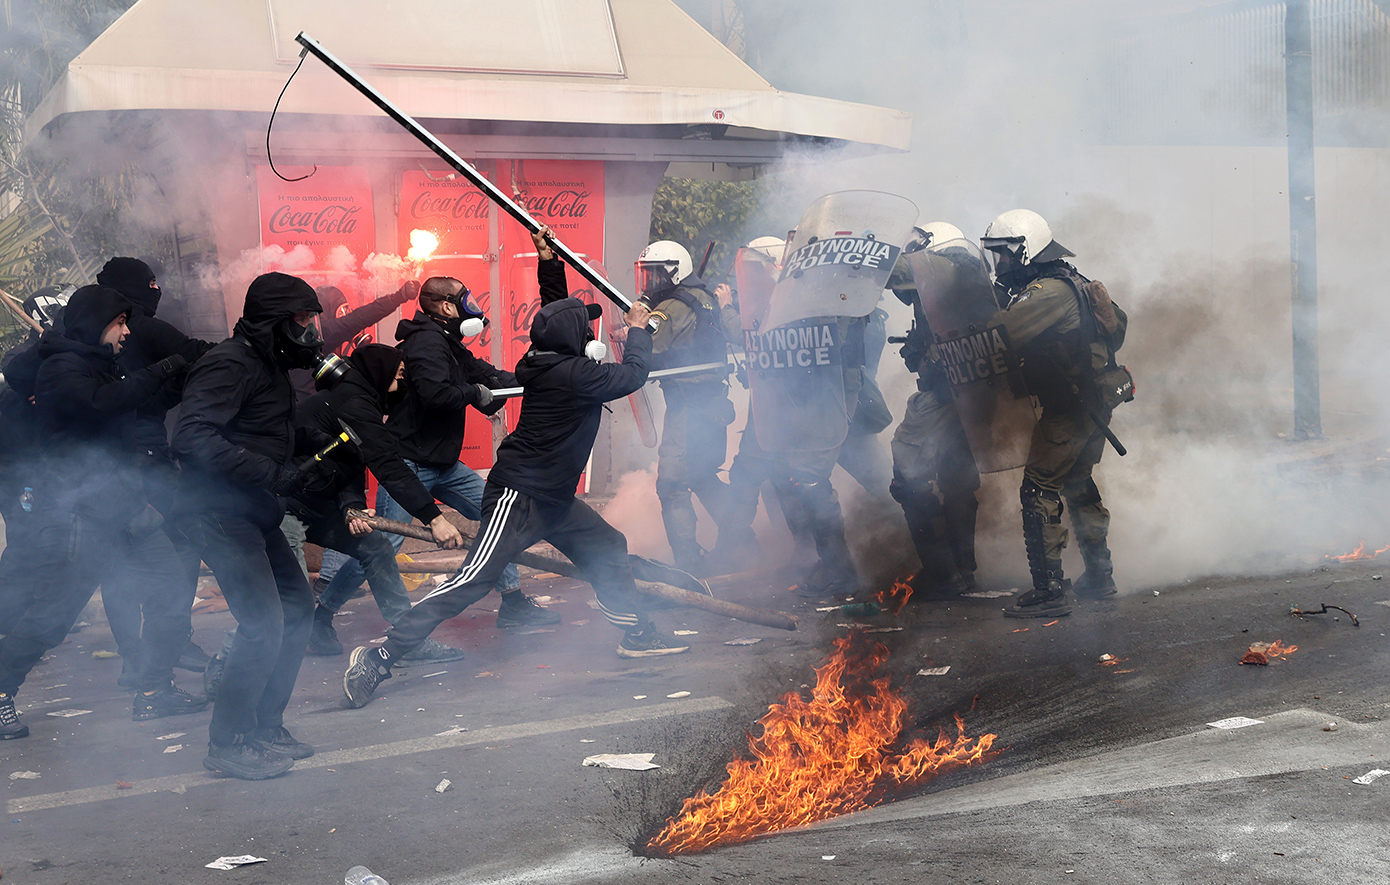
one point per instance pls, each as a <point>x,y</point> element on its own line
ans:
<point>471,320</point>
<point>298,346</point>
<point>595,350</point>
<point>329,370</point>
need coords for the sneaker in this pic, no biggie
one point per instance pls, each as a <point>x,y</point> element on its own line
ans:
<point>279,740</point>
<point>1093,585</point>
<point>248,760</point>
<point>1046,603</point>
<point>648,643</point>
<point>212,676</point>
<point>366,669</point>
<point>167,701</point>
<point>323,640</point>
<point>9,720</point>
<point>193,658</point>
<point>525,613</point>
<point>431,651</point>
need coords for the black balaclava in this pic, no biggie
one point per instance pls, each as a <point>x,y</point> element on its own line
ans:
<point>90,310</point>
<point>378,363</point>
<point>272,300</point>
<point>131,277</point>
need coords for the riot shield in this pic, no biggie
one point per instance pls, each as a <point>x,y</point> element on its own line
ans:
<point>756,274</point>
<point>994,405</point>
<point>840,257</point>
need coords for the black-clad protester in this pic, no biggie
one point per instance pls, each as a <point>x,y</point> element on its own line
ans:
<point>235,438</point>
<point>151,340</point>
<point>344,327</point>
<point>361,401</point>
<point>530,489</point>
<point>88,492</point>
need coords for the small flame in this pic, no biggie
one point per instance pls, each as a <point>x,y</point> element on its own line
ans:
<point>1262,653</point>
<point>1358,554</point>
<point>422,245</point>
<point>895,598</point>
<point>835,753</point>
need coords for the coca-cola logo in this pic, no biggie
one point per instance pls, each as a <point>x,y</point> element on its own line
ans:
<point>567,203</point>
<point>458,204</point>
<point>334,218</point>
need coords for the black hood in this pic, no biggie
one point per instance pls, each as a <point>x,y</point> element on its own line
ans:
<point>271,298</point>
<point>377,365</point>
<point>90,310</point>
<point>131,277</point>
<point>562,327</point>
<point>332,299</point>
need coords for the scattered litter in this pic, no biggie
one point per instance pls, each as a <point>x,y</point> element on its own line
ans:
<point>1107,657</point>
<point>533,631</point>
<point>678,694</point>
<point>588,741</point>
<point>173,748</point>
<point>747,640</point>
<point>592,603</point>
<point>67,714</point>
<point>432,675</point>
<point>231,863</point>
<point>991,594</point>
<point>639,697</point>
<point>862,609</point>
<point>103,655</point>
<point>934,671</point>
<point>686,632</point>
<point>1370,777</point>
<point>865,628</point>
<point>1112,661</point>
<point>1298,612</point>
<point>1155,593</point>
<point>444,786</point>
<point>485,673</point>
<point>170,737</point>
<point>1235,722</point>
<point>1375,577</point>
<point>1261,653</point>
<point>1021,630</point>
<point>419,709</point>
<point>543,666</point>
<point>1329,726</point>
<point>457,729</point>
<point>625,761</point>
<point>1050,623</point>
<point>541,599</point>
<point>1383,602</point>
<point>179,789</point>
<point>580,623</point>
<point>25,775</point>
<point>827,857</point>
<point>124,785</point>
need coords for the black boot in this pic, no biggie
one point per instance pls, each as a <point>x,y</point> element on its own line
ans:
<point>1098,581</point>
<point>323,639</point>
<point>1047,599</point>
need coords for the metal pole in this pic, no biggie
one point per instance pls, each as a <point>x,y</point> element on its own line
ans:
<point>463,168</point>
<point>1303,218</point>
<point>505,392</point>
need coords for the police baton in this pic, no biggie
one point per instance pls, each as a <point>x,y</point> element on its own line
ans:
<point>489,189</point>
<point>508,392</point>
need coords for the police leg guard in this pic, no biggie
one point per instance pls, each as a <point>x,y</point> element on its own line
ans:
<point>1092,523</point>
<point>927,526</point>
<point>1041,509</point>
<point>833,574</point>
<point>678,515</point>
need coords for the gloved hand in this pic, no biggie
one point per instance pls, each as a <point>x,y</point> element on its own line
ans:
<point>484,396</point>
<point>295,478</point>
<point>172,365</point>
<point>409,291</point>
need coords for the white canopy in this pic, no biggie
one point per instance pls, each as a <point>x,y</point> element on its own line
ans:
<point>598,62</point>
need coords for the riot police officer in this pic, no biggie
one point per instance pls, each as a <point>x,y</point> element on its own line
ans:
<point>1065,330</point>
<point>695,326</point>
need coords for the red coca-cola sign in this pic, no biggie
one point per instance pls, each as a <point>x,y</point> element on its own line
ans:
<point>439,204</point>
<point>335,218</point>
<point>331,208</point>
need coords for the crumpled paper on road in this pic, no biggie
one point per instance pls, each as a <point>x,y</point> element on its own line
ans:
<point>625,761</point>
<point>231,863</point>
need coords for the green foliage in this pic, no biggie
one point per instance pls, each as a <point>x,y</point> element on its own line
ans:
<point>694,213</point>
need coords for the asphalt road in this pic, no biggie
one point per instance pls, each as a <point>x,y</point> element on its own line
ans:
<point>1107,774</point>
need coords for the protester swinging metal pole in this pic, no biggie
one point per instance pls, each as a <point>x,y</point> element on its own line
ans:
<point>505,392</point>
<point>461,166</point>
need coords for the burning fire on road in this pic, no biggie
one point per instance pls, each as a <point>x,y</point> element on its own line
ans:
<point>895,597</point>
<point>1360,553</point>
<point>838,752</point>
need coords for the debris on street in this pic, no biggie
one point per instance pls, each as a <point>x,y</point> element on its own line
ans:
<point>1370,777</point>
<point>231,863</point>
<point>173,748</point>
<point>103,655</point>
<point>1261,653</point>
<point>1235,722</point>
<point>991,594</point>
<point>748,640</point>
<point>678,694</point>
<point>24,775</point>
<point>624,761</point>
<point>934,671</point>
<point>1299,612</point>
<point>444,786</point>
<point>67,714</point>
<point>170,737</point>
<point>457,729</point>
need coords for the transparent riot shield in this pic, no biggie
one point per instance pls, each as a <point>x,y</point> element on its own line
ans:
<point>839,259</point>
<point>796,385</point>
<point>993,403</point>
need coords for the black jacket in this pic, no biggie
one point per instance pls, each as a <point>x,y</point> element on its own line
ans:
<point>86,408</point>
<point>441,373</point>
<point>360,400</point>
<point>339,330</point>
<point>235,431</point>
<point>565,392</point>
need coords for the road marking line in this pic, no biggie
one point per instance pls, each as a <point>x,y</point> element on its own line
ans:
<point>498,734</point>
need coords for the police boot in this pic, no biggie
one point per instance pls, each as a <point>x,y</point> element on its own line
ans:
<point>833,574</point>
<point>1098,581</point>
<point>1047,599</point>
<point>680,533</point>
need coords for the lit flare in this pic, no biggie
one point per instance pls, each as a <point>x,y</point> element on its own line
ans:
<point>422,245</point>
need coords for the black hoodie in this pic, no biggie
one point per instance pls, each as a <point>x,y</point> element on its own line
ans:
<point>86,411</point>
<point>361,400</point>
<point>565,392</point>
<point>442,373</point>
<point>150,341</point>
<point>235,431</point>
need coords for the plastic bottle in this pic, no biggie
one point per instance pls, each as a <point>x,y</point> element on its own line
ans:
<point>26,500</point>
<point>360,875</point>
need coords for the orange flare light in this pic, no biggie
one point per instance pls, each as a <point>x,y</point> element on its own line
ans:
<point>422,245</point>
<point>895,598</point>
<point>835,753</point>
<point>1358,554</point>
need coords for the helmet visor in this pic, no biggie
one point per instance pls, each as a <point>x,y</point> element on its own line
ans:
<point>653,276</point>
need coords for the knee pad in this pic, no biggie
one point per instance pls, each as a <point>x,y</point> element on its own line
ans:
<point>1032,496</point>
<point>1085,495</point>
<point>810,487</point>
